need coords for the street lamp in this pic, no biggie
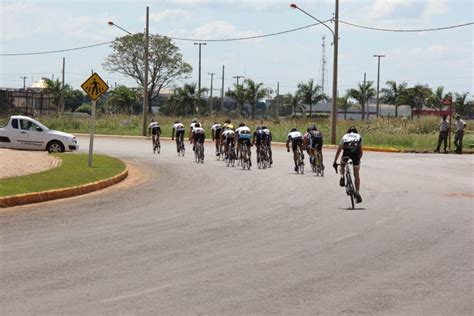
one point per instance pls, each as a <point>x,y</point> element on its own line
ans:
<point>145,79</point>
<point>335,35</point>
<point>377,109</point>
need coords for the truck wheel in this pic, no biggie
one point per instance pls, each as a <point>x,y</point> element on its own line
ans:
<point>55,147</point>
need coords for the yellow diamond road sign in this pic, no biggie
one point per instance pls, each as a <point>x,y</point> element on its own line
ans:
<point>94,86</point>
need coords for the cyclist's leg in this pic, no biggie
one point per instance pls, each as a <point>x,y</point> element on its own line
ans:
<point>357,177</point>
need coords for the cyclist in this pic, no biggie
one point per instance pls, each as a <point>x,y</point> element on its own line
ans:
<point>229,124</point>
<point>155,130</point>
<point>257,140</point>
<point>242,134</point>
<point>216,131</point>
<point>315,143</point>
<point>191,127</point>
<point>267,138</point>
<point>296,139</point>
<point>351,146</point>
<point>178,132</point>
<point>198,135</point>
<point>227,138</point>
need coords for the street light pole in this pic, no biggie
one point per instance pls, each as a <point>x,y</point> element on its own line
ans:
<point>212,81</point>
<point>377,109</point>
<point>335,35</point>
<point>238,77</point>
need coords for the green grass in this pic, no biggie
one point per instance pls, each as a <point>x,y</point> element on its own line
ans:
<point>419,134</point>
<point>73,171</point>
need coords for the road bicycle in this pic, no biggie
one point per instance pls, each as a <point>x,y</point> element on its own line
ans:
<point>156,145</point>
<point>264,157</point>
<point>245,156</point>
<point>299,162</point>
<point>199,153</point>
<point>180,147</point>
<point>316,162</point>
<point>350,188</point>
<point>231,155</point>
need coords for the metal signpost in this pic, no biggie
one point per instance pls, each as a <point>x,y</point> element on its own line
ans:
<point>94,86</point>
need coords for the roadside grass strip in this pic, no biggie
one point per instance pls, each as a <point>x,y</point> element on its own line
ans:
<point>73,172</point>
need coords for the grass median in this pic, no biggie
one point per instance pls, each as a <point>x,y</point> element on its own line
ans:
<point>73,171</point>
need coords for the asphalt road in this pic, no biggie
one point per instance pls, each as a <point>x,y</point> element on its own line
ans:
<point>181,238</point>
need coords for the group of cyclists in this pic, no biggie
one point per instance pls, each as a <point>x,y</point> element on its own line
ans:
<point>227,136</point>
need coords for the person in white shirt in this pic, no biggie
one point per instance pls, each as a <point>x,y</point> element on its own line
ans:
<point>216,130</point>
<point>443,134</point>
<point>227,138</point>
<point>155,130</point>
<point>178,132</point>
<point>460,125</point>
<point>351,146</point>
<point>242,134</point>
<point>296,139</point>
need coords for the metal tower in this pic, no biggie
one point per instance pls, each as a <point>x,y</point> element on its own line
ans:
<point>323,69</point>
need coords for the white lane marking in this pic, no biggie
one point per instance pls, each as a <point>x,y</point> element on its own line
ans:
<point>345,237</point>
<point>272,259</point>
<point>383,220</point>
<point>122,297</point>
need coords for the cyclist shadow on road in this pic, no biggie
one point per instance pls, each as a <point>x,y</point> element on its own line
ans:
<point>350,208</point>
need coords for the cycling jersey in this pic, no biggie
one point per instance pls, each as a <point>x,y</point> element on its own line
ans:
<point>315,139</point>
<point>178,127</point>
<point>217,129</point>
<point>229,125</point>
<point>155,128</point>
<point>192,125</point>
<point>351,144</point>
<point>243,130</point>
<point>296,139</point>
<point>198,134</point>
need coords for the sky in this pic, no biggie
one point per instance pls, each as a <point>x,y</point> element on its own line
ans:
<point>440,58</point>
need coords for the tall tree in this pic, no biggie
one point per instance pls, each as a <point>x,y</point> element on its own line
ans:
<point>310,93</point>
<point>344,104</point>
<point>73,99</point>
<point>392,93</point>
<point>435,100</point>
<point>165,62</point>
<point>363,93</point>
<point>254,93</point>
<point>294,102</point>
<point>416,97</point>
<point>240,95</point>
<point>186,100</point>
<point>122,100</point>
<point>55,89</point>
<point>461,106</point>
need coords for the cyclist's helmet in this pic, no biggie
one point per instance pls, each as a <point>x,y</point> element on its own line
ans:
<point>241,124</point>
<point>352,129</point>
<point>227,121</point>
<point>294,129</point>
<point>176,122</point>
<point>264,127</point>
<point>194,120</point>
<point>197,125</point>
<point>259,128</point>
<point>314,127</point>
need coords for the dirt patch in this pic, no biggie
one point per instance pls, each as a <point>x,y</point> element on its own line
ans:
<point>21,162</point>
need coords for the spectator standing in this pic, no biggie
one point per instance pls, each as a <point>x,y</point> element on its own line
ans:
<point>460,125</point>
<point>443,134</point>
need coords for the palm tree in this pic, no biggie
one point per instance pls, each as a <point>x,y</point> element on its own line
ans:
<point>461,105</point>
<point>239,94</point>
<point>54,87</point>
<point>343,104</point>
<point>393,92</point>
<point>416,97</point>
<point>364,92</point>
<point>310,93</point>
<point>186,99</point>
<point>254,93</point>
<point>437,97</point>
<point>294,102</point>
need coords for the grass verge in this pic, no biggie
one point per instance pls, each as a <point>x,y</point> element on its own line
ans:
<point>73,171</point>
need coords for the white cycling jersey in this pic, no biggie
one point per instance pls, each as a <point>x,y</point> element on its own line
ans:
<point>228,133</point>
<point>198,130</point>
<point>266,131</point>
<point>243,130</point>
<point>216,126</point>
<point>295,135</point>
<point>351,138</point>
<point>178,126</point>
<point>192,125</point>
<point>153,124</point>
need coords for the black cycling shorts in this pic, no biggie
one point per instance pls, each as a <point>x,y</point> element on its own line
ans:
<point>353,155</point>
<point>295,143</point>
<point>156,131</point>
<point>179,134</point>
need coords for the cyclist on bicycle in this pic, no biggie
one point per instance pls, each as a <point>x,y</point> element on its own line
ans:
<point>155,130</point>
<point>198,135</point>
<point>267,139</point>
<point>227,138</point>
<point>242,134</point>
<point>191,128</point>
<point>257,140</point>
<point>216,131</point>
<point>178,132</point>
<point>296,139</point>
<point>228,124</point>
<point>314,143</point>
<point>351,146</point>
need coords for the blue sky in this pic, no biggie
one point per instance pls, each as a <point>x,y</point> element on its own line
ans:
<point>434,58</point>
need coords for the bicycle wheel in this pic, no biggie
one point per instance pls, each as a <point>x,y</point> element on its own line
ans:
<point>158,148</point>
<point>201,154</point>
<point>301,166</point>
<point>350,188</point>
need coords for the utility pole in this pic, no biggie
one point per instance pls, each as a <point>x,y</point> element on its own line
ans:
<point>212,81</point>
<point>278,100</point>
<point>24,84</point>
<point>334,79</point>
<point>145,83</point>
<point>238,77</point>
<point>62,85</point>
<point>199,75</point>
<point>377,110</point>
<point>222,89</point>
<point>324,69</point>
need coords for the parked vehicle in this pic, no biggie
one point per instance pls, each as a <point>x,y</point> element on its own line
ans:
<point>23,132</point>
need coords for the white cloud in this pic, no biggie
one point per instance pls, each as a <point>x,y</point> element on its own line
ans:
<point>383,9</point>
<point>215,30</point>
<point>170,14</point>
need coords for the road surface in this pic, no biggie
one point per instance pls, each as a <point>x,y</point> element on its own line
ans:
<point>181,238</point>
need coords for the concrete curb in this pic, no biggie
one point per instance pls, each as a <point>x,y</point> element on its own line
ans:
<point>36,197</point>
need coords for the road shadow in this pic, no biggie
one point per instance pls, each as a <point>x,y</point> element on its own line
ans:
<point>350,209</point>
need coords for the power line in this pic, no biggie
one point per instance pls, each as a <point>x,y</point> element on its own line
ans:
<point>407,30</point>
<point>249,37</point>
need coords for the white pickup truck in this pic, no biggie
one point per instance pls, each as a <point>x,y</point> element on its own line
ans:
<point>23,132</point>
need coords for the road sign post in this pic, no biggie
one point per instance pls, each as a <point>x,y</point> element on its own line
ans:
<point>94,86</point>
